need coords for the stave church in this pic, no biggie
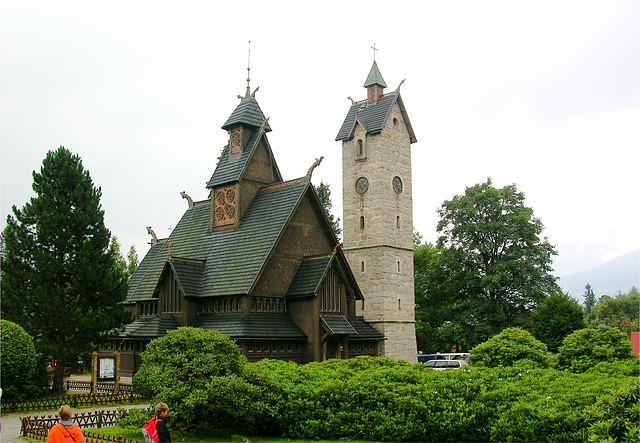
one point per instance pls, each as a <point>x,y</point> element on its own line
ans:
<point>259,261</point>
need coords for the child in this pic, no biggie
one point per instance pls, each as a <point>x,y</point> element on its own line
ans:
<point>161,415</point>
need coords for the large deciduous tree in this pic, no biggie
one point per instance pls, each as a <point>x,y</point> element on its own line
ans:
<point>489,269</point>
<point>60,280</point>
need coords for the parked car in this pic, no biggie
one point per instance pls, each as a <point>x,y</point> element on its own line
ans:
<point>441,365</point>
<point>423,358</point>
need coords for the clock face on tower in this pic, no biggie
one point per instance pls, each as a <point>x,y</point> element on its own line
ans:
<point>362,185</point>
<point>397,184</point>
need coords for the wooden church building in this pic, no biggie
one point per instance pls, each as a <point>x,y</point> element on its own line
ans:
<point>257,261</point>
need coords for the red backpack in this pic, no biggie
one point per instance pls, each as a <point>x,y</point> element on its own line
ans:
<point>150,431</point>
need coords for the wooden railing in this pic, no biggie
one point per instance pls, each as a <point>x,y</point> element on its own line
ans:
<point>74,401</point>
<point>85,386</point>
<point>38,427</point>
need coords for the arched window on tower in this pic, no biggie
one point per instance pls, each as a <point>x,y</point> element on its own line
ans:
<point>398,222</point>
<point>361,222</point>
<point>360,148</point>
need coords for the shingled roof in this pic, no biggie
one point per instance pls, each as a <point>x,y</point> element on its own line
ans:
<point>189,275</point>
<point>247,113</point>
<point>231,167</point>
<point>149,326</point>
<point>374,77</point>
<point>373,116</point>
<point>309,276</point>
<point>232,259</point>
<point>255,326</point>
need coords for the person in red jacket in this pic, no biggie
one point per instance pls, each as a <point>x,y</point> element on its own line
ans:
<point>65,431</point>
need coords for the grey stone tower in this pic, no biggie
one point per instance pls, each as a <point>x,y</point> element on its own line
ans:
<point>377,212</point>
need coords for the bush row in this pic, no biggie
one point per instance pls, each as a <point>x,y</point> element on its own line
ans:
<point>208,384</point>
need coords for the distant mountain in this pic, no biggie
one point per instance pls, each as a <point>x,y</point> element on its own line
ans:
<point>619,274</point>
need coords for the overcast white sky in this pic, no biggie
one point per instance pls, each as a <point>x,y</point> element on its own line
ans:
<point>543,94</point>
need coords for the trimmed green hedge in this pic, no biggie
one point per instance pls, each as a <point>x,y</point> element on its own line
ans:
<point>378,399</point>
<point>208,384</point>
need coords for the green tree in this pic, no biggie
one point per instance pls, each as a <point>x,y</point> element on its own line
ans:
<point>132,260</point>
<point>445,319</point>
<point>128,265</point>
<point>558,316</point>
<point>507,348</point>
<point>585,348</point>
<point>324,194</point>
<point>621,311</point>
<point>21,376</point>
<point>60,280</point>
<point>589,304</point>
<point>494,254</point>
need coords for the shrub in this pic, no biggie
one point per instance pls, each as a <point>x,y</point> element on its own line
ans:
<point>586,347</point>
<point>203,378</point>
<point>615,417</point>
<point>508,347</point>
<point>20,378</point>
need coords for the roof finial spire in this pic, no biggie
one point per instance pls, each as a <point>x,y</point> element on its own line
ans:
<point>248,69</point>
<point>374,51</point>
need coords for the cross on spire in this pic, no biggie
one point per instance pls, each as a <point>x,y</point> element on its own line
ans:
<point>374,51</point>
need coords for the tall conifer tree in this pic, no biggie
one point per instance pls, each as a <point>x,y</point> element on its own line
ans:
<point>59,277</point>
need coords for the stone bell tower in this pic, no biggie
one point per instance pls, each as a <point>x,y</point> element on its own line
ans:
<point>377,213</point>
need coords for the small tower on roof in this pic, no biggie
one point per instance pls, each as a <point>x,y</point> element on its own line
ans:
<point>375,84</point>
<point>245,165</point>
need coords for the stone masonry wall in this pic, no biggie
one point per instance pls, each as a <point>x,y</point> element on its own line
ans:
<point>381,253</point>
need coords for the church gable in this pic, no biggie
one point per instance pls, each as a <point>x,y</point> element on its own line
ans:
<point>307,233</point>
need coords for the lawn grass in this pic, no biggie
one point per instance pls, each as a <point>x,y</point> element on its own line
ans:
<point>215,436</point>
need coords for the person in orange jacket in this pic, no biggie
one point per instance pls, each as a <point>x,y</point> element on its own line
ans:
<point>65,431</point>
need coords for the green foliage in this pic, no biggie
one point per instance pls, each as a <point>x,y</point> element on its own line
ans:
<point>615,416</point>
<point>124,266</point>
<point>489,270</point>
<point>589,303</point>
<point>509,347</point>
<point>380,399</point>
<point>59,279</point>
<point>324,195</point>
<point>621,311</point>
<point>586,347</point>
<point>377,398</point>
<point>19,363</point>
<point>203,378</point>
<point>558,316</point>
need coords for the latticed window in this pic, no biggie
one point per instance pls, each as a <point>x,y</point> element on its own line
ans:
<point>331,292</point>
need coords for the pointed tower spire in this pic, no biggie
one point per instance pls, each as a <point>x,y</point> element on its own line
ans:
<point>374,83</point>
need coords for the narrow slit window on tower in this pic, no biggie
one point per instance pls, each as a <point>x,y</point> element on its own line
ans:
<point>398,222</point>
<point>361,222</point>
<point>398,266</point>
<point>362,266</point>
<point>399,305</point>
<point>395,121</point>
<point>360,147</point>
